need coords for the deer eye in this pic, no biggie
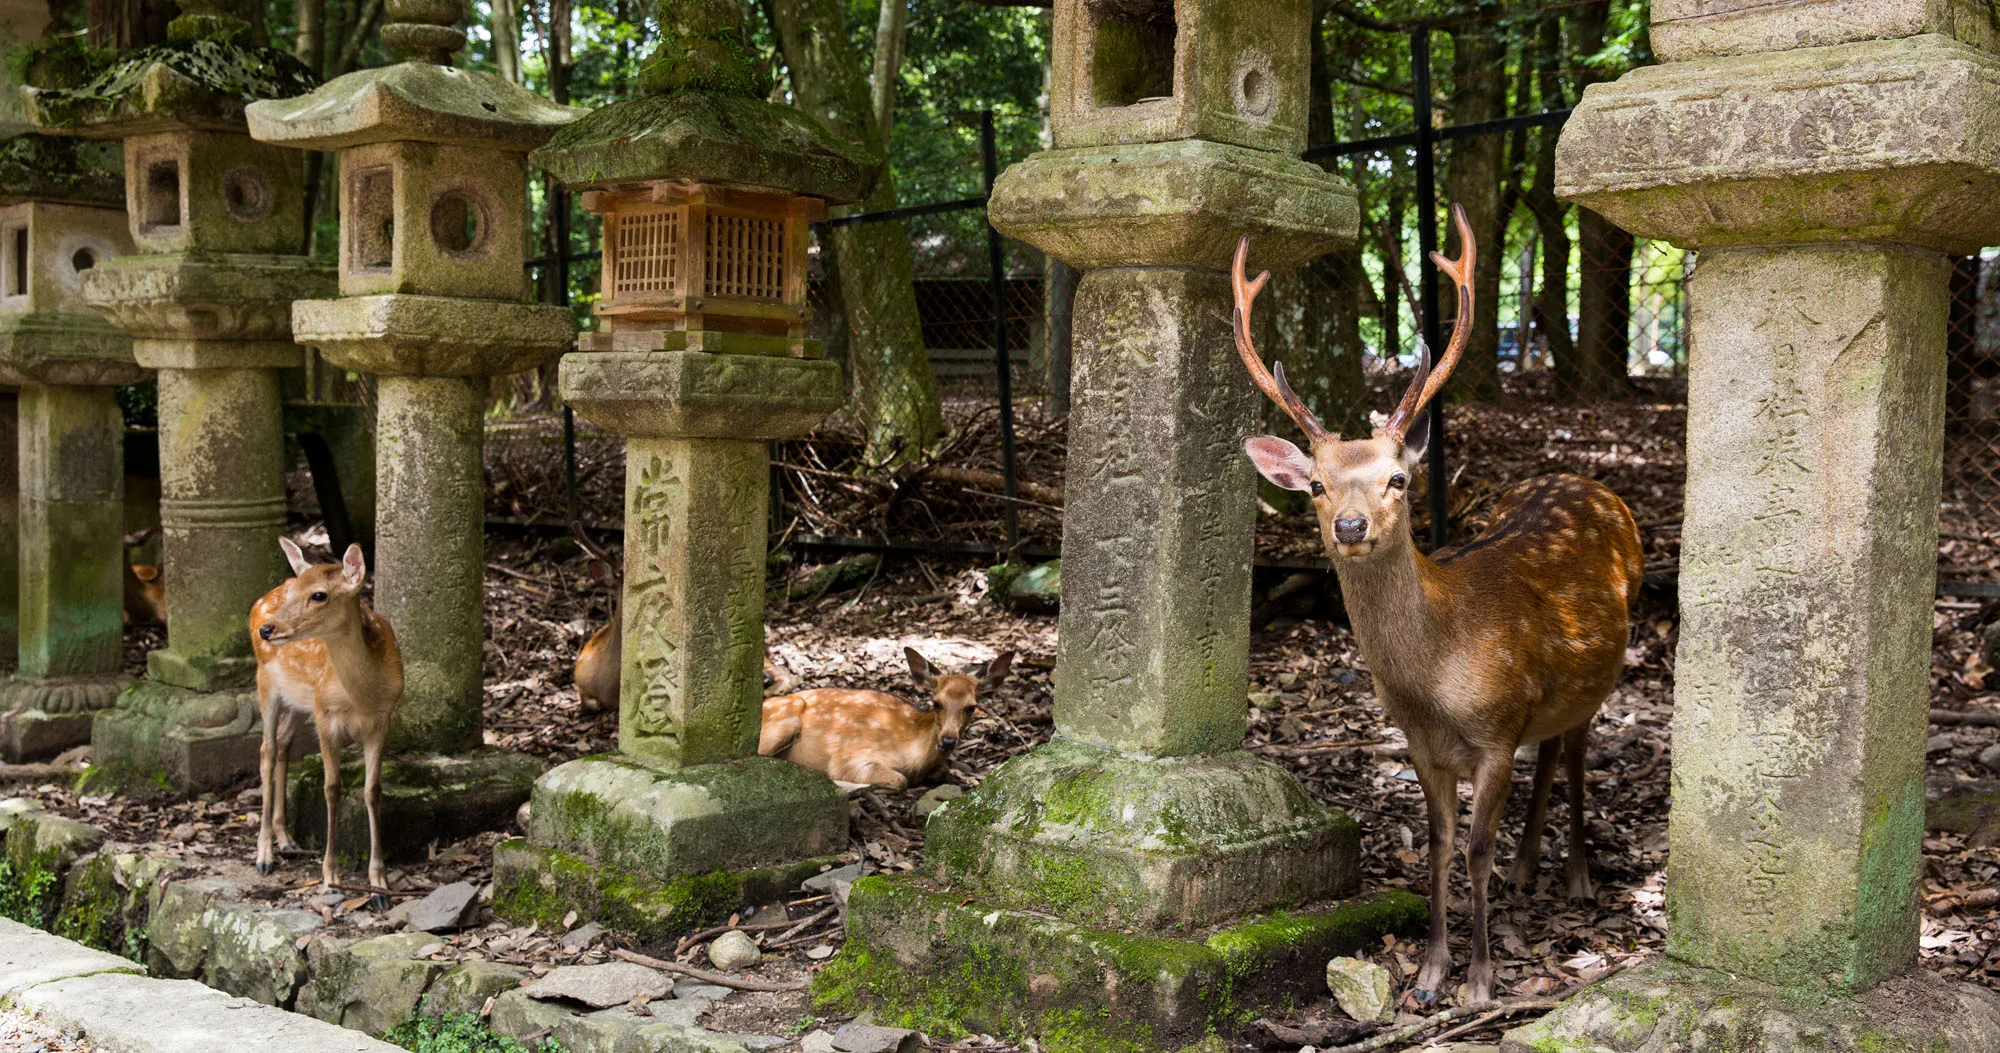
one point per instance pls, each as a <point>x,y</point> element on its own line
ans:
<point>318,597</point>
<point>1398,481</point>
<point>1318,488</point>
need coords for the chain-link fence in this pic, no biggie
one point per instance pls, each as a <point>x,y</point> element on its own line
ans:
<point>1969,521</point>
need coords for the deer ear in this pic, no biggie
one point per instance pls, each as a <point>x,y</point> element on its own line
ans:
<point>1418,438</point>
<point>1279,461</point>
<point>352,567</point>
<point>996,670</point>
<point>145,572</point>
<point>605,573</point>
<point>921,670</point>
<point>294,555</point>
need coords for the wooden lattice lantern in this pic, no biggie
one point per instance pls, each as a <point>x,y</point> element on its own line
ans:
<point>702,267</point>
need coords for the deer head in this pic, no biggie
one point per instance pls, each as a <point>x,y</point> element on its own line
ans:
<point>1359,487</point>
<point>323,599</point>
<point>956,695</point>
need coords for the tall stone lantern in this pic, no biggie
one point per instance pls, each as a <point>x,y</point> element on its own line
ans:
<point>705,189</point>
<point>218,220</point>
<point>433,191</point>
<point>1121,876</point>
<point>62,215</point>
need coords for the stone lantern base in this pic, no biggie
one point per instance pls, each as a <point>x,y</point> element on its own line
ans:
<point>1669,1005</point>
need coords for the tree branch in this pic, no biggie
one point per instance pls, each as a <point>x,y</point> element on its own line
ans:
<point>1365,20</point>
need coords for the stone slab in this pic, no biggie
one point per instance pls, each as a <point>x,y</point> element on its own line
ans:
<point>696,394</point>
<point>936,962</point>
<point>1175,204</point>
<point>1667,1005</point>
<point>426,800</point>
<point>542,886</point>
<point>29,956</point>
<point>1885,140</point>
<point>369,985</point>
<point>43,717</point>
<point>134,1014</point>
<point>411,102</point>
<point>1693,29</point>
<point>253,951</point>
<point>74,349</point>
<point>439,336</point>
<point>670,1028</point>
<point>219,296</point>
<point>165,738</point>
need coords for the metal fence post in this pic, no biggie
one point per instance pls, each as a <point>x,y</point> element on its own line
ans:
<point>561,199</point>
<point>1427,272</point>
<point>1003,369</point>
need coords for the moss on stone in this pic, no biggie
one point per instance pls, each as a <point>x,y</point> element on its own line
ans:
<point>537,885</point>
<point>59,168</point>
<point>201,81</point>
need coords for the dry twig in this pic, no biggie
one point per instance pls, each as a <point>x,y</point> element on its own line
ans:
<point>708,976</point>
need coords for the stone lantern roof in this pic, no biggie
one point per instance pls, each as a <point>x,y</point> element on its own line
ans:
<point>704,119</point>
<point>36,167</point>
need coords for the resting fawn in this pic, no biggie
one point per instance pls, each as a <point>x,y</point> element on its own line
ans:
<point>145,593</point>
<point>597,664</point>
<point>875,738</point>
<point>321,650</point>
<point>1517,636</point>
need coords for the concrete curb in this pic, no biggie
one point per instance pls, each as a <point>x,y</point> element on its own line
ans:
<point>121,1010</point>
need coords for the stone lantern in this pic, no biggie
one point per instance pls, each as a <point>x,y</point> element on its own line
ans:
<point>1118,880</point>
<point>706,189</point>
<point>61,215</point>
<point>433,191</point>
<point>217,219</point>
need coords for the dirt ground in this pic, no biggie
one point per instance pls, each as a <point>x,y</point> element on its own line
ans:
<point>1313,713</point>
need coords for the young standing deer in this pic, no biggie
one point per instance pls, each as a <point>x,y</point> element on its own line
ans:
<point>320,650</point>
<point>1517,636</point>
<point>873,737</point>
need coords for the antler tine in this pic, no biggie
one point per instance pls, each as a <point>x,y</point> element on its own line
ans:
<point>589,546</point>
<point>1426,383</point>
<point>1273,386</point>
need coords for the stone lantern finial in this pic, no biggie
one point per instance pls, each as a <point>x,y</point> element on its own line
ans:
<point>702,49</point>
<point>217,20</point>
<point>424,30</point>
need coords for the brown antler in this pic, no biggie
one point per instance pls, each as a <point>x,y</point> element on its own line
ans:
<point>1270,381</point>
<point>589,546</point>
<point>1427,381</point>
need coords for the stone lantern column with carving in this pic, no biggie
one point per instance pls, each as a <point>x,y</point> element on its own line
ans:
<point>62,214</point>
<point>217,220</point>
<point>1824,157</point>
<point>433,191</point>
<point>1068,877</point>
<point>706,190</point>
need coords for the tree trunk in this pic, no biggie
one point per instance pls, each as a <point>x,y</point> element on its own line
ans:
<point>1604,309</point>
<point>127,24</point>
<point>357,36</point>
<point>556,50</point>
<point>895,392</point>
<point>1061,306</point>
<point>507,39</point>
<point>888,66</point>
<point>1479,93</point>
<point>1551,312</point>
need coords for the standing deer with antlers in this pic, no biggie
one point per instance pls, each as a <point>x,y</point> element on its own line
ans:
<point>1517,636</point>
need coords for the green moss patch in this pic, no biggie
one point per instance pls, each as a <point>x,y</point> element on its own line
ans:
<point>461,1033</point>
<point>541,885</point>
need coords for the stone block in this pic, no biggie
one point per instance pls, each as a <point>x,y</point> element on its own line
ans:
<point>465,987</point>
<point>230,297</point>
<point>426,800</point>
<point>65,349</point>
<point>1149,72</point>
<point>1885,140</point>
<point>433,219</point>
<point>681,822</point>
<point>541,886</point>
<point>1668,1005</point>
<point>40,850</point>
<point>254,952</point>
<point>43,717</point>
<point>695,394</point>
<point>1180,204</point>
<point>212,191</point>
<point>437,336</point>
<point>74,566</point>
<point>413,102</point>
<point>108,899</point>
<point>165,738</point>
<point>178,937</point>
<point>671,1028</point>
<point>61,242</point>
<point>1684,30</point>
<point>367,985</point>
<point>926,959</point>
<point>1972,810</point>
<point>140,1015</point>
<point>29,957</point>
<point>1177,843</point>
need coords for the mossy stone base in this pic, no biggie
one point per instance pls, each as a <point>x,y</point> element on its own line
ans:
<point>668,823</point>
<point>928,959</point>
<point>43,716</point>
<point>1100,837</point>
<point>425,800</point>
<point>540,885</point>
<point>1669,1005</point>
<point>161,738</point>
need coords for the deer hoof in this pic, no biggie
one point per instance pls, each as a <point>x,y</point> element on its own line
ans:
<point>266,868</point>
<point>378,903</point>
<point>1425,996</point>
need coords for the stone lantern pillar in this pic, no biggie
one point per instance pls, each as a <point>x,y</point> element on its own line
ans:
<point>61,215</point>
<point>705,189</point>
<point>1824,157</point>
<point>217,219</point>
<point>1143,823</point>
<point>433,190</point>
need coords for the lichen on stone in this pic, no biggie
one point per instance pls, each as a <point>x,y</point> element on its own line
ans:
<point>200,81</point>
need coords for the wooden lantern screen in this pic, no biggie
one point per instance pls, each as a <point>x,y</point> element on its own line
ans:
<point>702,259</point>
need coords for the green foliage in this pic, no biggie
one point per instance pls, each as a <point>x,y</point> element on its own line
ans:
<point>460,1033</point>
<point>141,403</point>
<point>24,896</point>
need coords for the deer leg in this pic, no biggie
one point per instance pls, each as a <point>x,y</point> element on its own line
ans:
<point>1441,805</point>
<point>874,773</point>
<point>1576,870</point>
<point>287,720</point>
<point>1490,783</point>
<point>271,783</point>
<point>329,756</point>
<point>371,763</point>
<point>1528,857</point>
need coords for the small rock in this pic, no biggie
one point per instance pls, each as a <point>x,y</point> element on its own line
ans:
<point>445,908</point>
<point>1287,678</point>
<point>581,937</point>
<point>817,1042</point>
<point>1361,988</point>
<point>1990,757</point>
<point>13,807</point>
<point>732,951</point>
<point>1942,742</point>
<point>183,833</point>
<point>1291,729</point>
<point>1264,699</point>
<point>933,799</point>
<point>331,900</point>
<point>600,986</point>
<point>868,1038</point>
<point>823,882</point>
<point>820,952</point>
<point>521,816</point>
<point>705,992</point>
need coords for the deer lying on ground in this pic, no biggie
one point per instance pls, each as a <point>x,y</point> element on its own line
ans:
<point>598,663</point>
<point>1517,636</point>
<point>873,737</point>
<point>322,651</point>
<point>145,593</point>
